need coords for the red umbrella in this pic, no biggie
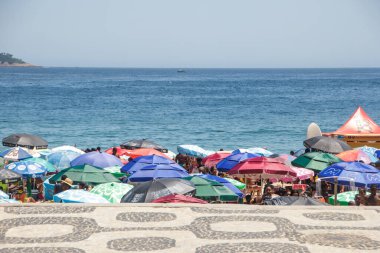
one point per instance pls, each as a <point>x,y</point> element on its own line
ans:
<point>354,155</point>
<point>213,159</point>
<point>134,153</point>
<point>119,151</point>
<point>178,198</point>
<point>264,166</point>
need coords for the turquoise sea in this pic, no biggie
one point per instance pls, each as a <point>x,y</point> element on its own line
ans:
<point>212,108</point>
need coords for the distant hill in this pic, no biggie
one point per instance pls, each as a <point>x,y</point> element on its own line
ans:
<point>7,60</point>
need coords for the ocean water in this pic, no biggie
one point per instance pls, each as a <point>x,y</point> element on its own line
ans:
<point>212,108</point>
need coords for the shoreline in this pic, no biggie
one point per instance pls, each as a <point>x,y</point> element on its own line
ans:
<point>23,65</point>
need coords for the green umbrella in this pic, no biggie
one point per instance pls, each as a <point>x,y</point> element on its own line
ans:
<point>115,170</point>
<point>211,190</point>
<point>345,197</point>
<point>50,167</point>
<point>237,184</point>
<point>316,161</point>
<point>1,162</point>
<point>113,192</point>
<point>87,174</point>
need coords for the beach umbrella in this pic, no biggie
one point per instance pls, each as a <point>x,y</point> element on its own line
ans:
<point>25,140</point>
<point>67,148</point>
<point>15,154</point>
<point>8,176</point>
<point>9,201</point>
<point>143,161</point>
<point>1,162</point>
<point>368,150</point>
<point>43,153</point>
<point>326,144</point>
<point>211,160</point>
<point>230,161</point>
<point>62,159</point>
<point>119,151</point>
<point>79,196</point>
<point>285,157</point>
<point>156,171</point>
<point>293,201</point>
<point>349,173</point>
<point>377,153</point>
<point>48,189</point>
<point>316,161</point>
<point>178,198</point>
<point>143,152</point>
<point>345,198</point>
<point>115,170</point>
<point>151,190</point>
<point>3,195</point>
<point>236,183</point>
<point>113,192</point>
<point>356,155</point>
<point>143,143</point>
<point>256,150</point>
<point>49,167</point>
<point>223,181</point>
<point>96,159</point>
<point>264,167</point>
<point>85,173</point>
<point>302,174</point>
<point>211,190</point>
<point>193,150</point>
<point>27,169</point>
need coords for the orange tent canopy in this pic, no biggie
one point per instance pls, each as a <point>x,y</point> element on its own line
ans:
<point>358,124</point>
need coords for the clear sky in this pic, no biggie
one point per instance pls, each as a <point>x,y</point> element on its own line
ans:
<point>193,33</point>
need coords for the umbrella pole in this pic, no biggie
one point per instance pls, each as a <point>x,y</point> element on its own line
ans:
<point>335,191</point>
<point>29,187</point>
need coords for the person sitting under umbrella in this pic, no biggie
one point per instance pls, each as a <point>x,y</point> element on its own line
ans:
<point>268,195</point>
<point>373,199</point>
<point>64,185</point>
<point>360,199</point>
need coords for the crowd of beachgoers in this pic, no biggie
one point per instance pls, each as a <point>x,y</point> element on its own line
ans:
<point>141,171</point>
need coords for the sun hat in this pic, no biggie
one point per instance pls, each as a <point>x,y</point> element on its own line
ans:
<point>68,181</point>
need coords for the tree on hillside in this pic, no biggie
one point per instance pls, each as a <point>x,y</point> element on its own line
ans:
<point>8,58</point>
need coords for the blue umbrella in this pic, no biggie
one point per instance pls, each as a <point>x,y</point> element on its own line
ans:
<point>377,153</point>
<point>143,161</point>
<point>78,196</point>
<point>368,150</point>
<point>154,171</point>
<point>257,151</point>
<point>230,161</point>
<point>3,195</point>
<point>27,169</point>
<point>15,154</point>
<point>48,189</point>
<point>227,183</point>
<point>362,175</point>
<point>96,159</point>
<point>193,150</point>
<point>9,201</point>
<point>62,159</point>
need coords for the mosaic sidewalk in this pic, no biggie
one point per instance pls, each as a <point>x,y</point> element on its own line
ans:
<point>187,228</point>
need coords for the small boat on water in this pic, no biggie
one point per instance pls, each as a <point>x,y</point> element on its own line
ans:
<point>181,71</point>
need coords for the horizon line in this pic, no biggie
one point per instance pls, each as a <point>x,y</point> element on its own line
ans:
<point>184,68</point>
